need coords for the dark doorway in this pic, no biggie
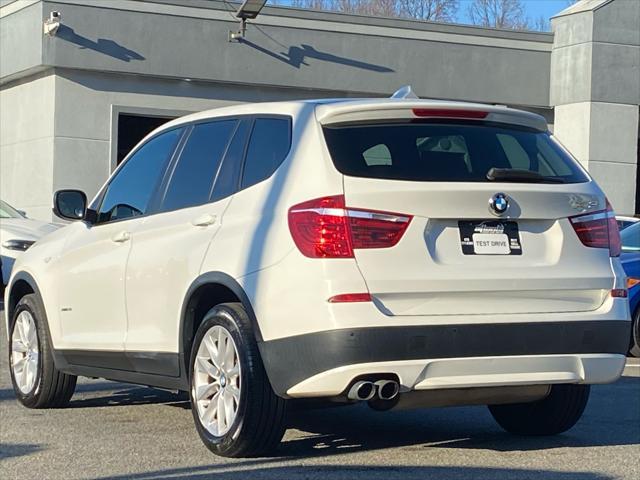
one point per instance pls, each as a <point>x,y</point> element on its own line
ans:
<point>132,129</point>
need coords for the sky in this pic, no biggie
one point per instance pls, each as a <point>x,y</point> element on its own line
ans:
<point>547,8</point>
<point>534,8</point>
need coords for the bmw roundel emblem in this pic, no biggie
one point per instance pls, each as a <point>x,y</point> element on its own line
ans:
<point>499,204</point>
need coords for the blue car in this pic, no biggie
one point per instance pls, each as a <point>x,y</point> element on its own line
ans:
<point>631,262</point>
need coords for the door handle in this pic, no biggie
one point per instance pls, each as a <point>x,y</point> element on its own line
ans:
<point>121,237</point>
<point>204,220</point>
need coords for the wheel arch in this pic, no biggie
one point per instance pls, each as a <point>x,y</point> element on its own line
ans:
<point>22,284</point>
<point>207,291</point>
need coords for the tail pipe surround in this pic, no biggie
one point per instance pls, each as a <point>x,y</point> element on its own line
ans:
<point>362,390</point>
<point>387,389</point>
<point>365,390</point>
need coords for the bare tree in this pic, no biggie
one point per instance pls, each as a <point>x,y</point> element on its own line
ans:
<point>541,24</point>
<point>498,14</point>
<point>312,4</point>
<point>382,8</point>
<point>366,7</point>
<point>434,10</point>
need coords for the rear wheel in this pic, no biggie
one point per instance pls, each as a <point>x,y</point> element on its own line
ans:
<point>236,412</point>
<point>554,414</point>
<point>36,380</point>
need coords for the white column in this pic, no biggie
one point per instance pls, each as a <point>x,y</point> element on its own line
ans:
<point>595,89</point>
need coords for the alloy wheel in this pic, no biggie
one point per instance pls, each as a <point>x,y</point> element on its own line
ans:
<point>25,352</point>
<point>217,381</point>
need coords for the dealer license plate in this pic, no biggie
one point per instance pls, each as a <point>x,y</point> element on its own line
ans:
<point>489,237</point>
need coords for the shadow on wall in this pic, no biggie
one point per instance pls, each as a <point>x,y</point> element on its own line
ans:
<point>296,56</point>
<point>102,45</point>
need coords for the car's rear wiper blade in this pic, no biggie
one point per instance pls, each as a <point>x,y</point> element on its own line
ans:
<point>518,175</point>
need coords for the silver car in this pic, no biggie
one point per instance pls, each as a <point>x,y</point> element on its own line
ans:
<point>17,234</point>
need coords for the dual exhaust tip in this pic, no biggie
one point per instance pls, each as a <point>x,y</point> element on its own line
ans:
<point>365,390</point>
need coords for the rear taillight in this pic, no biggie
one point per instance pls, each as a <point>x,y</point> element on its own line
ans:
<point>599,230</point>
<point>326,228</point>
<point>449,113</point>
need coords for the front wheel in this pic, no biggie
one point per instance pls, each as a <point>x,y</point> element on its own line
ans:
<point>36,380</point>
<point>236,412</point>
<point>554,414</point>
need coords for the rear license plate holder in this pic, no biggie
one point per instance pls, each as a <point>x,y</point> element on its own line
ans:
<point>489,237</point>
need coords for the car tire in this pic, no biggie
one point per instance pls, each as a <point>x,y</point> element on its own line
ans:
<point>233,379</point>
<point>634,350</point>
<point>38,384</point>
<point>556,413</point>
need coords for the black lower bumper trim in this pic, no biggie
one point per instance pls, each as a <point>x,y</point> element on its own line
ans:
<point>290,360</point>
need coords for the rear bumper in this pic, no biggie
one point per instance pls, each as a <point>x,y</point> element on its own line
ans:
<point>449,356</point>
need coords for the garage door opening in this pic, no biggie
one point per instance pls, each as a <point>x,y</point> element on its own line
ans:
<point>132,129</point>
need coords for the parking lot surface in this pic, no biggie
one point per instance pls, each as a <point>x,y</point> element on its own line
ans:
<point>119,431</point>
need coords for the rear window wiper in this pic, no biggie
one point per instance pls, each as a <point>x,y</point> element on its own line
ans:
<point>518,175</point>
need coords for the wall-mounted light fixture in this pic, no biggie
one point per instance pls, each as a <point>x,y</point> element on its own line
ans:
<point>52,24</point>
<point>249,10</point>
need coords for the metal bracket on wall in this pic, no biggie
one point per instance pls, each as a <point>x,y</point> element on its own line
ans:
<point>249,9</point>
<point>239,35</point>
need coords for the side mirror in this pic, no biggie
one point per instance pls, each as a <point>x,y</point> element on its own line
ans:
<point>70,204</point>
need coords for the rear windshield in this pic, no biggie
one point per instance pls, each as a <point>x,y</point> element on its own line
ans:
<point>447,152</point>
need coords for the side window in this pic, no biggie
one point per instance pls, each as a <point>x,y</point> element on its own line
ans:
<point>196,169</point>
<point>229,173</point>
<point>129,192</point>
<point>550,154</point>
<point>269,144</point>
<point>377,155</point>
<point>517,156</point>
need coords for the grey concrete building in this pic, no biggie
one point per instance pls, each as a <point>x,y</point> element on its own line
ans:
<point>73,103</point>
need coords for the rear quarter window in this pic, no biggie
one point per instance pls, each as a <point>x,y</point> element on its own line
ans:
<point>446,152</point>
<point>269,145</point>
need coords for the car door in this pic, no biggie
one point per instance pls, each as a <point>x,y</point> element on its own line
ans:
<point>168,248</point>
<point>92,264</point>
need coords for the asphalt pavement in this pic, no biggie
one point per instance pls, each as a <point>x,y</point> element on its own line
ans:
<point>119,431</point>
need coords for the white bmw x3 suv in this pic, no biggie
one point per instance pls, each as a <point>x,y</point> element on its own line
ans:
<point>399,252</point>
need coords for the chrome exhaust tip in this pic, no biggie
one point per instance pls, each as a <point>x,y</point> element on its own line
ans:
<point>362,390</point>
<point>387,389</point>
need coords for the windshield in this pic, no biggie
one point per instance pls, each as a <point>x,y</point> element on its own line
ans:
<point>449,152</point>
<point>7,211</point>
<point>630,237</point>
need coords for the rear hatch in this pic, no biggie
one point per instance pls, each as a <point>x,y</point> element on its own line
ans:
<point>494,210</point>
